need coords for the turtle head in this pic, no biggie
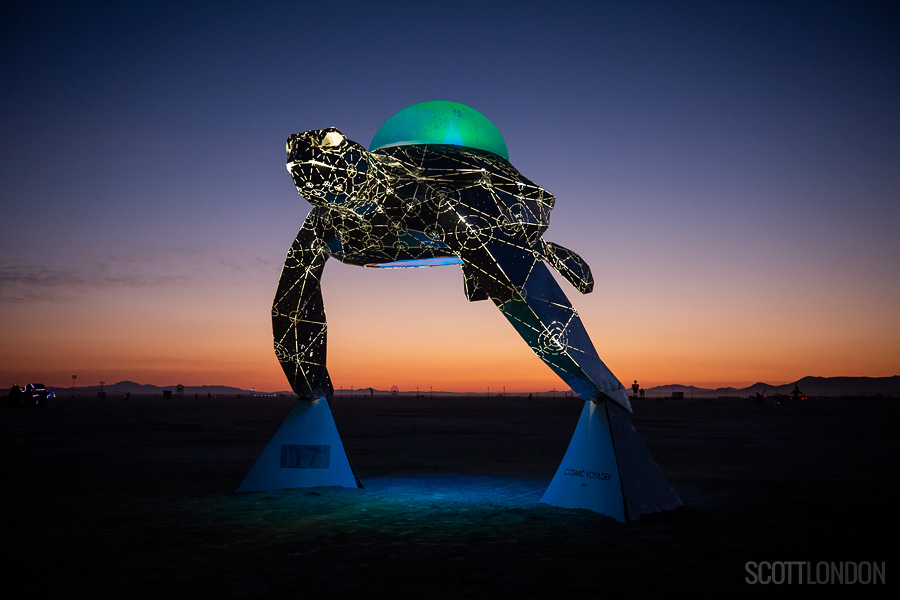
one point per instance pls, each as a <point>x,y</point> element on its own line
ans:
<point>326,167</point>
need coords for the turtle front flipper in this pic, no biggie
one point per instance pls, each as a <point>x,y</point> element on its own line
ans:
<point>543,316</point>
<point>298,313</point>
<point>522,287</point>
<point>306,450</point>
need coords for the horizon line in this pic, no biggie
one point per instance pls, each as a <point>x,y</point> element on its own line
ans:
<point>500,390</point>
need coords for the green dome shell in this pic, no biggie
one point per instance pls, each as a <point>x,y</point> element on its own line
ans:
<point>440,122</point>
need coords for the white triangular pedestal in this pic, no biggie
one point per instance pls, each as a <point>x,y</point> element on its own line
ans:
<point>608,469</point>
<point>306,451</point>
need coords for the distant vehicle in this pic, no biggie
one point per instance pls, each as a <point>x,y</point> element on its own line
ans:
<point>796,395</point>
<point>33,394</point>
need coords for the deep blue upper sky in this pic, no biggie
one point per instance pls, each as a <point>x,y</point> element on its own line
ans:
<point>726,152</point>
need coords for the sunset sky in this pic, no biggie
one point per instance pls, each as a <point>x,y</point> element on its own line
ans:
<point>730,171</point>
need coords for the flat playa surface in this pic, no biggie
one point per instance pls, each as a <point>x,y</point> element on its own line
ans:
<point>134,498</point>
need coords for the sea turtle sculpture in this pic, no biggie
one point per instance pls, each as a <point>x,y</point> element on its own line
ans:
<point>436,187</point>
<point>415,204</point>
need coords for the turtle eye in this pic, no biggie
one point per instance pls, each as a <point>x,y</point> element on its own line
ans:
<point>332,138</point>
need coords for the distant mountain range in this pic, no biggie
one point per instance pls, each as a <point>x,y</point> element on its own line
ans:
<point>130,387</point>
<point>810,386</point>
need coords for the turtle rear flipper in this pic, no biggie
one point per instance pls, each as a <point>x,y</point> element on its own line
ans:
<point>569,265</point>
<point>474,293</point>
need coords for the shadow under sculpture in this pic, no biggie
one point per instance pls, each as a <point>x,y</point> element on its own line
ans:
<point>432,204</point>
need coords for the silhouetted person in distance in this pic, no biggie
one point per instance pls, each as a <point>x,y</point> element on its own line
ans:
<point>642,392</point>
<point>15,395</point>
<point>634,389</point>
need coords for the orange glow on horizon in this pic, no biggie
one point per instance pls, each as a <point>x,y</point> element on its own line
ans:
<point>414,327</point>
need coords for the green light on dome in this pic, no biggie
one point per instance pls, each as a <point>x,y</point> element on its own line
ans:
<point>440,122</point>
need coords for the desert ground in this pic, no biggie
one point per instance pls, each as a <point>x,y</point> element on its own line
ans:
<point>134,498</point>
